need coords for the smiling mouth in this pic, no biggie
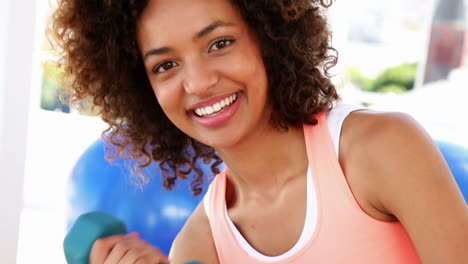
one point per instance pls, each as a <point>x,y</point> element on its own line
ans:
<point>217,107</point>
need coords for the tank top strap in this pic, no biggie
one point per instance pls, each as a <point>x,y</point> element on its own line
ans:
<point>330,182</point>
<point>215,207</point>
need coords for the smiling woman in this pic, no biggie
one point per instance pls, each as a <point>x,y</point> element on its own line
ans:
<point>206,48</point>
<point>117,67</point>
<point>307,180</point>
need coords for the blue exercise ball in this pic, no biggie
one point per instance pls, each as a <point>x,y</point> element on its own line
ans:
<point>152,211</point>
<point>457,159</point>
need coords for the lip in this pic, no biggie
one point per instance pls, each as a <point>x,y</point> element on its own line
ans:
<point>220,118</point>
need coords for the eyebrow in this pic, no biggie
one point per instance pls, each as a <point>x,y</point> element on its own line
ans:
<point>205,31</point>
<point>210,28</point>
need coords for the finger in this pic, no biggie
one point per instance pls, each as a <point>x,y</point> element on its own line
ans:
<point>148,254</point>
<point>122,247</point>
<point>102,247</point>
<point>134,235</point>
<point>152,259</point>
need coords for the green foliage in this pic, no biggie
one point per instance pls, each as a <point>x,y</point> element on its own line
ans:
<point>403,75</point>
<point>51,92</point>
<point>356,77</point>
<point>51,88</point>
<point>398,79</point>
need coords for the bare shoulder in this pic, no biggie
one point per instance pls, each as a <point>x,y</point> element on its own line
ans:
<point>194,242</point>
<point>369,139</point>
<point>390,149</point>
<point>394,168</point>
<point>390,142</point>
<point>369,126</point>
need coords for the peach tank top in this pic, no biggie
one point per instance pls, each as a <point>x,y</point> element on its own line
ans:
<point>336,230</point>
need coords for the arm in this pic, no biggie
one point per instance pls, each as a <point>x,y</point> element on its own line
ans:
<point>195,241</point>
<point>408,179</point>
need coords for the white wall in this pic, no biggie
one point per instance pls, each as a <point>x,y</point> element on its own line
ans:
<point>3,52</point>
<point>38,148</point>
<point>16,50</point>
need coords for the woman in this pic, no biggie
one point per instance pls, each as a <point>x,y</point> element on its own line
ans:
<point>246,82</point>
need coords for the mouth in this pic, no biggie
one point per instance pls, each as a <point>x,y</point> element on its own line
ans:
<point>217,107</point>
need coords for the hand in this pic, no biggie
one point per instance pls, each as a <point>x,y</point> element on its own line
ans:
<point>125,249</point>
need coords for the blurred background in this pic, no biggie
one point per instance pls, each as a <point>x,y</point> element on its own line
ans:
<point>401,55</point>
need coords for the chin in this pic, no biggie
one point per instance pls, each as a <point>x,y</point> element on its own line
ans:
<point>222,141</point>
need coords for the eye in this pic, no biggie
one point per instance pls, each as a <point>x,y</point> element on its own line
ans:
<point>165,66</point>
<point>221,43</point>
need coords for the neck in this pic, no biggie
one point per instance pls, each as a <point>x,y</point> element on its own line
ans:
<point>267,161</point>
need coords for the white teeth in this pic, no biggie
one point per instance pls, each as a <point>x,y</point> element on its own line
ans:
<point>208,110</point>
<point>216,107</point>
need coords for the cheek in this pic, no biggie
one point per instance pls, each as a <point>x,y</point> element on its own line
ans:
<point>250,68</point>
<point>256,74</point>
<point>254,68</point>
<point>165,98</point>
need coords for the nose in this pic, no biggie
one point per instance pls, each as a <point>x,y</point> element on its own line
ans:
<point>199,77</point>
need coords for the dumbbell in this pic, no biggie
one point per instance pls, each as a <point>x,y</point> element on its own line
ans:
<point>88,228</point>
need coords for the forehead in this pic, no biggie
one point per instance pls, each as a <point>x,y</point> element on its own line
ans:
<point>163,18</point>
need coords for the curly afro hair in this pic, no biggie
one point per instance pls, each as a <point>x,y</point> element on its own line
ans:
<point>96,44</point>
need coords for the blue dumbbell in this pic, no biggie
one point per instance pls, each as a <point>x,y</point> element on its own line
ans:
<point>88,228</point>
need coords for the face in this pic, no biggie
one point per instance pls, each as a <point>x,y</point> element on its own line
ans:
<point>206,70</point>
